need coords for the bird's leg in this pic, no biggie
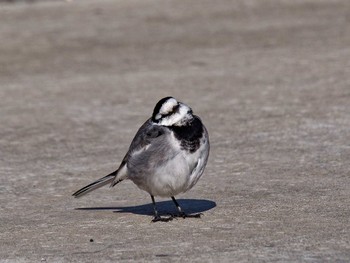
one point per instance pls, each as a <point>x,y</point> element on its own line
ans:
<point>156,216</point>
<point>181,213</point>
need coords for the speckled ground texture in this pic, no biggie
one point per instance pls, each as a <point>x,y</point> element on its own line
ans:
<point>271,81</point>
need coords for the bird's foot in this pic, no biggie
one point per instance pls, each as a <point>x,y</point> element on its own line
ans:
<point>162,219</point>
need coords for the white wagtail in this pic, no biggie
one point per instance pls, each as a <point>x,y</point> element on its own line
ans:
<point>166,157</point>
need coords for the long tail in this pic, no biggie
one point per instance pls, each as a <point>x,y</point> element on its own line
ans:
<point>95,185</point>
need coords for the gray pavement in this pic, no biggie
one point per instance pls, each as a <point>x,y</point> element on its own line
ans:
<point>271,81</point>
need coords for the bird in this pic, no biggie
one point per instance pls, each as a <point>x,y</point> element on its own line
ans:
<point>166,157</point>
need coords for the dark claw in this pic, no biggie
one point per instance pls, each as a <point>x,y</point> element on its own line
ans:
<point>162,219</point>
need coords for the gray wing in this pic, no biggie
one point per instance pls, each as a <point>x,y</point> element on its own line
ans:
<point>144,137</point>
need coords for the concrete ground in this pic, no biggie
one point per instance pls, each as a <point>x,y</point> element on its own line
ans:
<point>271,81</point>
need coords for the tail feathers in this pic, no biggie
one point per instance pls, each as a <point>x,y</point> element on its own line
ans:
<point>95,185</point>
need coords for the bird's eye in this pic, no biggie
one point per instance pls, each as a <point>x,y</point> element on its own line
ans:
<point>176,108</point>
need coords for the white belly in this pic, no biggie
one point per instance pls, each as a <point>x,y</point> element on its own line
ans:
<point>164,177</point>
<point>170,179</point>
<point>178,175</point>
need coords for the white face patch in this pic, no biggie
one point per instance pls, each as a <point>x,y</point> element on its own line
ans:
<point>181,116</point>
<point>168,106</point>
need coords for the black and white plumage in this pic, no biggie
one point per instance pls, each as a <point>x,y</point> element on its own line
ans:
<point>166,157</point>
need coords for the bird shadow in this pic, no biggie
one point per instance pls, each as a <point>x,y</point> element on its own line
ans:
<point>189,206</point>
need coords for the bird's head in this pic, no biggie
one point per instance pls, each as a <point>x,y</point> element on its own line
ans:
<point>170,112</point>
